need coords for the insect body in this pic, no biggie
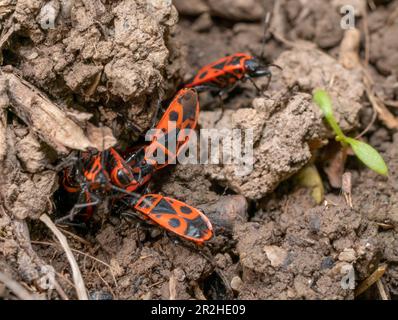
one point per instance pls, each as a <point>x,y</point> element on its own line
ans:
<point>179,120</point>
<point>175,216</point>
<point>122,174</point>
<point>96,176</point>
<point>85,183</point>
<point>223,74</point>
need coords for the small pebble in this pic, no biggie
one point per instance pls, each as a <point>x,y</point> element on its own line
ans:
<point>179,274</point>
<point>276,255</point>
<point>348,255</point>
<point>100,295</point>
<point>147,296</point>
<point>236,283</point>
<point>327,263</point>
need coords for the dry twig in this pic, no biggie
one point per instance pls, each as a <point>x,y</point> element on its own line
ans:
<point>77,276</point>
<point>372,279</point>
<point>16,288</point>
<point>367,37</point>
<point>106,283</point>
<point>346,187</point>
<point>76,237</point>
<point>385,115</point>
<point>349,58</point>
<point>60,291</point>
<point>172,287</point>
<point>382,291</point>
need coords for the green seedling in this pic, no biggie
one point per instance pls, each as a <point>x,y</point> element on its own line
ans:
<point>366,153</point>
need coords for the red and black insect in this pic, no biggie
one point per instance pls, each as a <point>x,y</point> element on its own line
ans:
<point>107,173</point>
<point>224,74</point>
<point>87,183</point>
<point>173,215</point>
<point>182,114</point>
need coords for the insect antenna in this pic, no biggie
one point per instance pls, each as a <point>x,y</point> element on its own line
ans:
<point>274,65</point>
<point>79,162</point>
<point>103,155</point>
<point>103,148</point>
<point>267,21</point>
<point>156,113</point>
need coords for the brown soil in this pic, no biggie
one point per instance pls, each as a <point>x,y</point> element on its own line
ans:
<point>108,63</point>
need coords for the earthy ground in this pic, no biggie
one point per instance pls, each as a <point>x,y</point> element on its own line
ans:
<point>110,62</point>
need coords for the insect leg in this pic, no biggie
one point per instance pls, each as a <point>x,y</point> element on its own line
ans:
<point>267,20</point>
<point>270,74</point>
<point>81,204</point>
<point>131,215</point>
<point>88,204</point>
<point>155,115</point>
<point>207,87</point>
<point>268,81</point>
<point>146,189</point>
<point>65,163</point>
<point>221,101</point>
<point>222,106</point>
<point>257,87</point>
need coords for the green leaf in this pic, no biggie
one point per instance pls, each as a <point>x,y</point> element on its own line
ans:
<point>322,99</point>
<point>368,155</point>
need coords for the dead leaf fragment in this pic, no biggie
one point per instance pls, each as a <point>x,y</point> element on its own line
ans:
<point>45,118</point>
<point>101,138</point>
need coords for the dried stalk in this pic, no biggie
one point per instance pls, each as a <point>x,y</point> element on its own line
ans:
<point>16,288</point>
<point>77,276</point>
<point>372,279</point>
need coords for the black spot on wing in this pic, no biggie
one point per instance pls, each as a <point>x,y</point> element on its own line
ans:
<point>173,116</point>
<point>235,61</point>
<point>123,177</point>
<point>188,101</point>
<point>175,223</point>
<point>185,209</point>
<point>203,74</point>
<point>196,228</point>
<point>163,207</point>
<point>220,66</point>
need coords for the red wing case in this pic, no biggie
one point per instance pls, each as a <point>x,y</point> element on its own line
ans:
<point>176,216</point>
<point>183,111</point>
<point>221,73</point>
